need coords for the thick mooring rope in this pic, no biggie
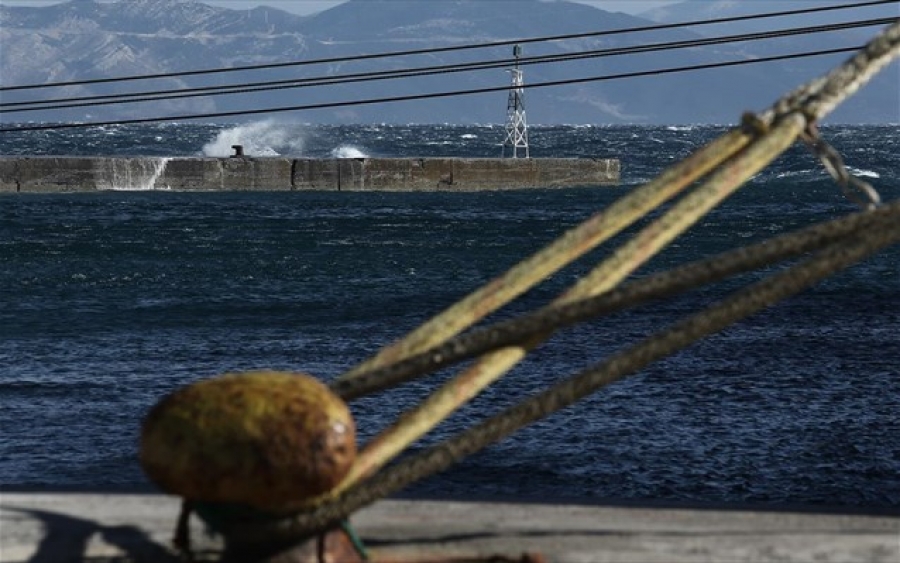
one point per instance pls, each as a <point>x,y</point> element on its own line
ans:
<point>444,401</point>
<point>815,100</point>
<point>729,161</point>
<point>767,141</point>
<point>757,296</point>
<point>656,286</point>
<point>570,246</point>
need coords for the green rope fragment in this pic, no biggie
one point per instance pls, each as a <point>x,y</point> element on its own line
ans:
<point>358,544</point>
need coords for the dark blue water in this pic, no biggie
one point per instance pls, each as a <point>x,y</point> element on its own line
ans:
<point>112,299</point>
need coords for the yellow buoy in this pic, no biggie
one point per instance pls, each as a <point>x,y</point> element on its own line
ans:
<point>265,439</point>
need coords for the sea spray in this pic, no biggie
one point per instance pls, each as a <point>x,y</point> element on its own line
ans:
<point>132,174</point>
<point>348,151</point>
<point>260,138</point>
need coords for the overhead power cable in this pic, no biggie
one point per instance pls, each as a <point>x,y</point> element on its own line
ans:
<point>443,94</point>
<point>96,100</point>
<point>432,50</point>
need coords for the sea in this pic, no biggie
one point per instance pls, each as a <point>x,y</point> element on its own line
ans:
<point>112,299</point>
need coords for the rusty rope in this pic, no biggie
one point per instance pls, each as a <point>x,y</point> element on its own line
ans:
<point>436,407</point>
<point>656,286</point>
<point>564,250</point>
<point>816,100</point>
<point>755,297</point>
<point>753,146</point>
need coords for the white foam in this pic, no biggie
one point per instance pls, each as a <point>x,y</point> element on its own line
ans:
<point>348,151</point>
<point>260,138</point>
<point>863,173</point>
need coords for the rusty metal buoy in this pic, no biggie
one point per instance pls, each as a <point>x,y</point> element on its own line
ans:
<point>253,445</point>
<point>257,447</point>
<point>267,440</point>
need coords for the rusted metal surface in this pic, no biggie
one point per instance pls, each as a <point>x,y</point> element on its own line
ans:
<point>267,440</point>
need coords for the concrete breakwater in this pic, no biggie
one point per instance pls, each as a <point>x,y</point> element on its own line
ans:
<point>80,174</point>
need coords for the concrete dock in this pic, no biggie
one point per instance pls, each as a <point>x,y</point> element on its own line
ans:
<point>22,174</point>
<point>114,527</point>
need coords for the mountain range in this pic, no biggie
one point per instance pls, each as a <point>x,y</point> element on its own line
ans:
<point>88,40</point>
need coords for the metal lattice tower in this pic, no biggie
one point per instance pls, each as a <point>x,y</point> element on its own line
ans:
<point>516,127</point>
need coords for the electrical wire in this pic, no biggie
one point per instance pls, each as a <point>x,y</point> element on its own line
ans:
<point>443,94</point>
<point>433,50</point>
<point>108,99</point>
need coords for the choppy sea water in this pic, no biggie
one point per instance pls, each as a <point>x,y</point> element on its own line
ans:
<point>112,299</point>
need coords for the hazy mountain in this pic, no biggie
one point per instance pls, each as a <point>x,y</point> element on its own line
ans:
<point>711,9</point>
<point>716,9</point>
<point>84,39</point>
<point>877,102</point>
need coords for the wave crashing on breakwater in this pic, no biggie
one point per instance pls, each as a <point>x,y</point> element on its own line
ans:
<point>267,138</point>
<point>348,151</point>
<point>261,138</point>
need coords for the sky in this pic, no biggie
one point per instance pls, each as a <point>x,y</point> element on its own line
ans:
<point>304,7</point>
